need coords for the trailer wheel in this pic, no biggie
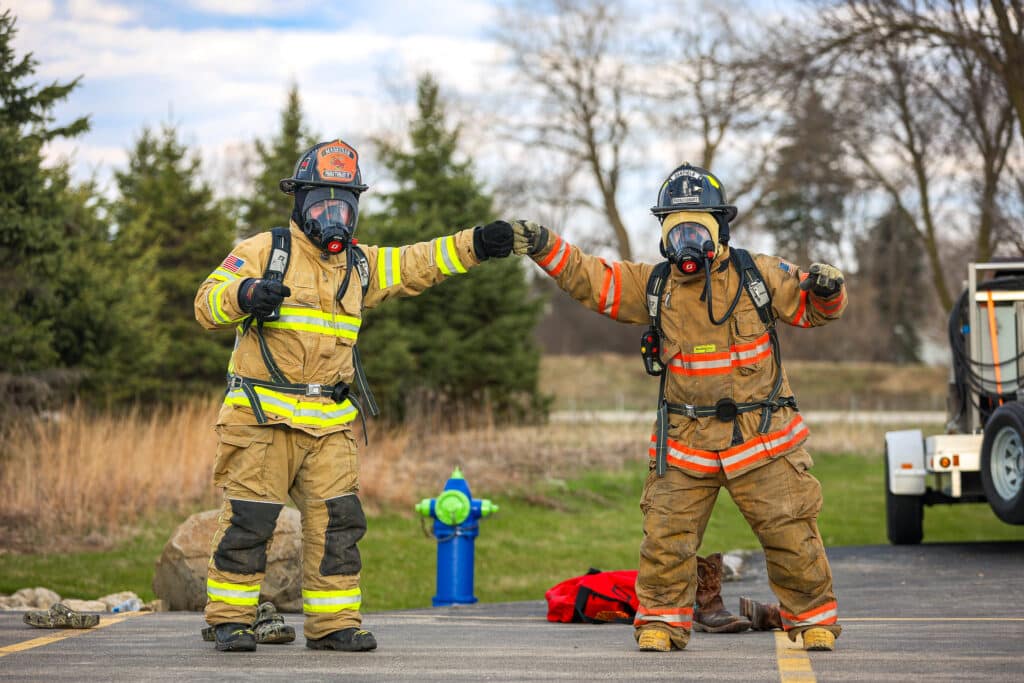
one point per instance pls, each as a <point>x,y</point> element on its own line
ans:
<point>1002,462</point>
<point>904,515</point>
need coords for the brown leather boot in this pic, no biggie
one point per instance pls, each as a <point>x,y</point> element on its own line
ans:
<point>763,616</point>
<point>710,614</point>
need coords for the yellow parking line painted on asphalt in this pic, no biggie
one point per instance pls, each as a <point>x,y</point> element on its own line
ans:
<point>845,619</point>
<point>63,633</point>
<point>794,664</point>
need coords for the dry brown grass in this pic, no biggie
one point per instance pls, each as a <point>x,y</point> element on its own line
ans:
<point>89,480</point>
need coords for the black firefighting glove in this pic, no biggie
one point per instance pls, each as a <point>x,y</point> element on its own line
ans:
<point>493,239</point>
<point>529,237</point>
<point>823,280</point>
<point>261,297</point>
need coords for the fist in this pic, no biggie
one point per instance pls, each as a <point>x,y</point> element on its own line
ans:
<point>261,297</point>
<point>822,280</point>
<point>492,240</point>
<point>528,237</point>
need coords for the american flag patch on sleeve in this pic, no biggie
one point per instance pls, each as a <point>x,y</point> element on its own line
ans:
<point>232,263</point>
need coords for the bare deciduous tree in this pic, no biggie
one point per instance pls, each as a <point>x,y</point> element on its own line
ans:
<point>568,54</point>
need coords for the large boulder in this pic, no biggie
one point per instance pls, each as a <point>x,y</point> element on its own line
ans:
<point>180,579</point>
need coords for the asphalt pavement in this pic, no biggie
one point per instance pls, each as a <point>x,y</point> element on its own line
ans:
<point>936,612</point>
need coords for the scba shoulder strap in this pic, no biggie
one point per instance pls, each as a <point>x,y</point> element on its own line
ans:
<point>725,408</point>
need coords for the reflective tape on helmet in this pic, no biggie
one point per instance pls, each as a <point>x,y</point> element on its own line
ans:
<point>233,593</point>
<point>296,410</point>
<point>447,257</point>
<point>318,322</point>
<point>389,267</point>
<point>326,602</point>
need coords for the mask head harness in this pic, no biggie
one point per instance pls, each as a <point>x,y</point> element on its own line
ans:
<point>326,185</point>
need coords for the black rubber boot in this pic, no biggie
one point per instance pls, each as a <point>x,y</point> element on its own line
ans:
<point>234,637</point>
<point>346,640</point>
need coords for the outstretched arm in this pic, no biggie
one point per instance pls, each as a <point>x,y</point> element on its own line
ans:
<point>409,270</point>
<point>809,299</point>
<point>616,289</point>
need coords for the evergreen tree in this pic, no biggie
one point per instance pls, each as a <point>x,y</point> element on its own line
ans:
<point>266,206</point>
<point>467,341</point>
<point>808,189</point>
<point>167,214</point>
<point>31,209</point>
<point>889,258</point>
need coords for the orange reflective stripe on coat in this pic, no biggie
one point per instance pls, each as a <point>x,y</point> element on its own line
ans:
<point>555,261</point>
<point>821,615</point>
<point>680,617</point>
<point>721,363</point>
<point>611,290</point>
<point>737,457</point>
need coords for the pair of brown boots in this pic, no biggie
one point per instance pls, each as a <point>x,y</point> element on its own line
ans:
<point>710,614</point>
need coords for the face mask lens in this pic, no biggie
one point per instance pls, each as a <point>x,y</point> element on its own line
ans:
<point>684,235</point>
<point>331,213</point>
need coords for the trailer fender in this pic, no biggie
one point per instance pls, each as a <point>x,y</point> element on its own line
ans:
<point>905,451</point>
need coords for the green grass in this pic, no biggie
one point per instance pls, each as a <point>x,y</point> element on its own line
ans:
<point>530,544</point>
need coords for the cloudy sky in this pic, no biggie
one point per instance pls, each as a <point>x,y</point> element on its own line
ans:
<point>220,69</point>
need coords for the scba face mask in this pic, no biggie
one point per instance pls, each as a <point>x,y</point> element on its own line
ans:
<point>329,218</point>
<point>690,240</point>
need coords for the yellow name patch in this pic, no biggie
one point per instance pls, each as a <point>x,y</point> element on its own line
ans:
<point>704,348</point>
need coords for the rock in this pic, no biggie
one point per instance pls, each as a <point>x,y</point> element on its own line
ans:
<point>114,599</point>
<point>32,598</point>
<point>86,605</point>
<point>734,564</point>
<point>180,579</point>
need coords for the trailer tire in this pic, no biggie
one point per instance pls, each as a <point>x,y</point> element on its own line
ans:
<point>1002,462</point>
<point>904,515</point>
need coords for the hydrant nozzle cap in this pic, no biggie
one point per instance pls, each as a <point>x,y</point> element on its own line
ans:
<point>423,507</point>
<point>452,507</point>
<point>487,507</point>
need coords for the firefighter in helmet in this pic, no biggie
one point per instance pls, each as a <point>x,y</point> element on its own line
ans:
<point>295,297</point>
<point>726,415</point>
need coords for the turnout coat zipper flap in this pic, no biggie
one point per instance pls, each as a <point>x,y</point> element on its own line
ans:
<point>312,340</point>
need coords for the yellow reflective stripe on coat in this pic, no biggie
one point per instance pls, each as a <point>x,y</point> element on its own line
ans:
<point>320,602</point>
<point>296,409</point>
<point>446,256</point>
<point>216,310</point>
<point>222,274</point>
<point>389,267</point>
<point>316,321</point>
<point>232,593</point>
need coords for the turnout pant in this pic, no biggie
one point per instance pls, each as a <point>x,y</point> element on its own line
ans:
<point>259,468</point>
<point>780,500</point>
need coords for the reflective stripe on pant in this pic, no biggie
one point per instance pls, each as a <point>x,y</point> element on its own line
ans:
<point>259,468</point>
<point>780,500</point>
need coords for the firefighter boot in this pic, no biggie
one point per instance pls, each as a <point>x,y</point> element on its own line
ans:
<point>269,627</point>
<point>819,639</point>
<point>654,640</point>
<point>763,616</point>
<point>234,637</point>
<point>347,639</point>
<point>710,614</point>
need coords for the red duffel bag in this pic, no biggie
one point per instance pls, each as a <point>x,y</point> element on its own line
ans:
<point>597,597</point>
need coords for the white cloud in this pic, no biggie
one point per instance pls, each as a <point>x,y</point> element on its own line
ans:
<point>31,10</point>
<point>251,8</point>
<point>100,11</point>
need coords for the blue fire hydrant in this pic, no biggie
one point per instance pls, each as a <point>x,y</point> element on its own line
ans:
<point>456,524</point>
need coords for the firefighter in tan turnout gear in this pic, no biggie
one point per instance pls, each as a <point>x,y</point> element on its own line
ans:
<point>295,297</point>
<point>726,414</point>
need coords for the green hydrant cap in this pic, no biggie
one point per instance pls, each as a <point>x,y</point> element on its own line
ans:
<point>452,507</point>
<point>487,507</point>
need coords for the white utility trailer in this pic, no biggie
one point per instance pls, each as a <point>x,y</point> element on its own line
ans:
<point>981,458</point>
